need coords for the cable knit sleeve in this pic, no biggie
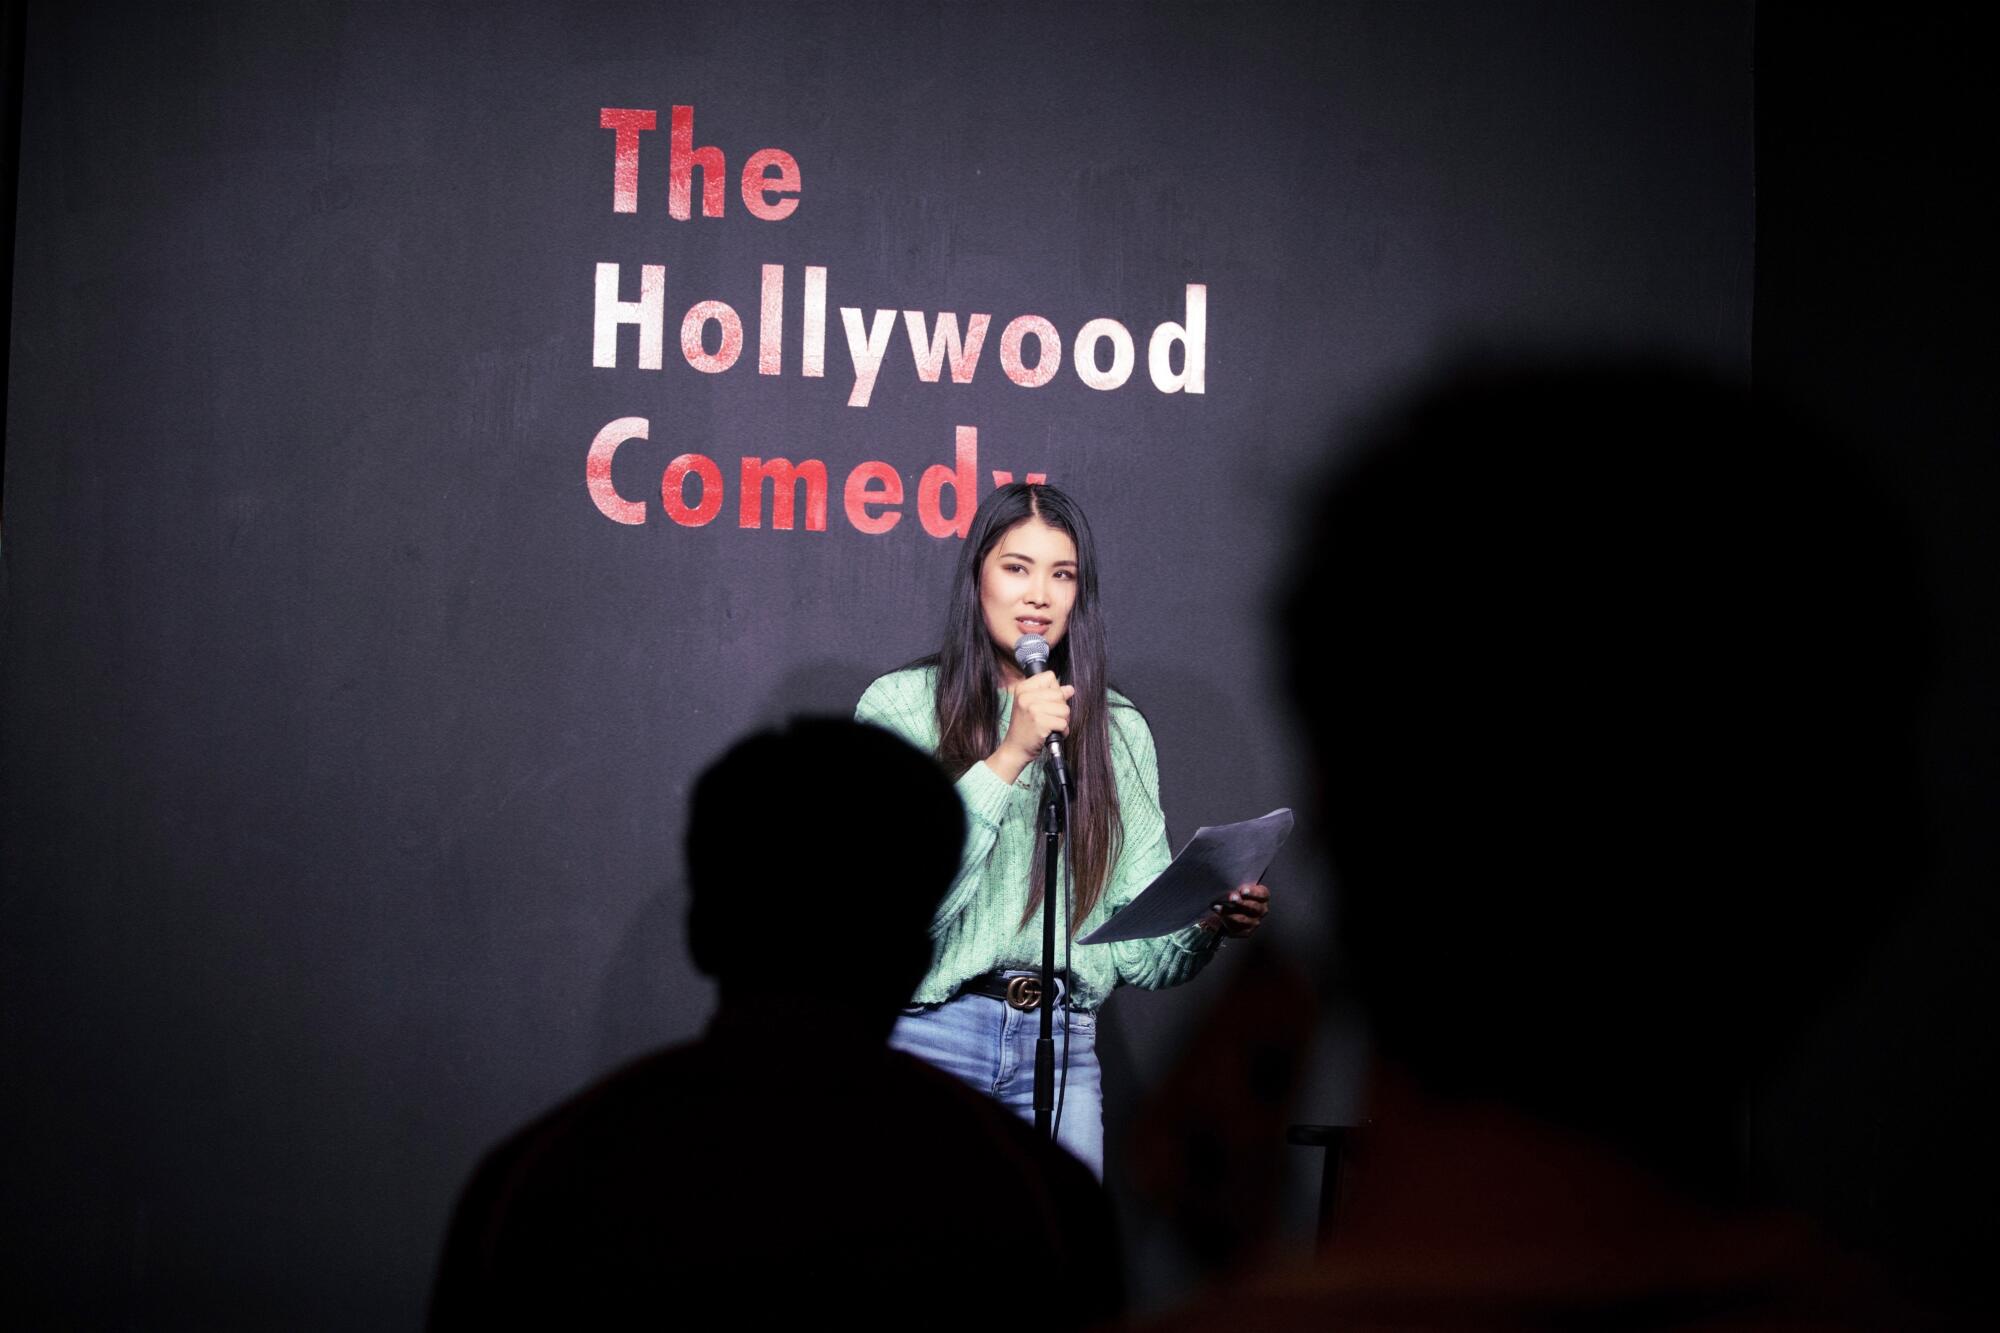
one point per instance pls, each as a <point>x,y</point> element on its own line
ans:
<point>1166,960</point>
<point>904,702</point>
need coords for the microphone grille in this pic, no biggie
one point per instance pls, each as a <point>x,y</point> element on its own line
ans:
<point>1031,648</point>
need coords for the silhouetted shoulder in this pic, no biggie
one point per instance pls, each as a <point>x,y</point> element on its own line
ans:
<point>697,1176</point>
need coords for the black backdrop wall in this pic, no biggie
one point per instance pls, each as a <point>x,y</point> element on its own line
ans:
<point>1873,297</point>
<point>347,724</point>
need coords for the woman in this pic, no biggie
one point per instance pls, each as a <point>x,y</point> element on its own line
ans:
<point>1028,567</point>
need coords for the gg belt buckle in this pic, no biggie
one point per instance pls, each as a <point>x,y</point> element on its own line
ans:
<point>1024,992</point>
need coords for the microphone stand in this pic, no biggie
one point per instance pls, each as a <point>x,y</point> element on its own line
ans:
<point>1052,820</point>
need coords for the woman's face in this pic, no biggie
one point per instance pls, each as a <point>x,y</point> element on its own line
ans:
<point>1027,585</point>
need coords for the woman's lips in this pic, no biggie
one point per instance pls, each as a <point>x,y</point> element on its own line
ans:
<point>1033,624</point>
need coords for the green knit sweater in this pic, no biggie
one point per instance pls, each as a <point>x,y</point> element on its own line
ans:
<point>978,926</point>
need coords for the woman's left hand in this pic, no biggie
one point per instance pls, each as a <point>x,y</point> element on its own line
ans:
<point>1241,912</point>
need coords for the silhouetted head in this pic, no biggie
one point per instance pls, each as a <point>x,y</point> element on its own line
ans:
<point>817,855</point>
<point>1611,686</point>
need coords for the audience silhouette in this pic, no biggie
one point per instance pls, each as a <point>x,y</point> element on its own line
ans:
<point>1610,682</point>
<point>789,1167</point>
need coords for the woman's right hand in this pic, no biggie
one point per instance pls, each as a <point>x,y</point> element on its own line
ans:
<point>1041,707</point>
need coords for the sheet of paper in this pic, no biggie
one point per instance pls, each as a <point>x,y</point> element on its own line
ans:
<point>1214,861</point>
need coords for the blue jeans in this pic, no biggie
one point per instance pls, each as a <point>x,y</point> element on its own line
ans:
<point>990,1045</point>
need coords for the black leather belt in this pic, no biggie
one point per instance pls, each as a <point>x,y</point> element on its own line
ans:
<point>1020,990</point>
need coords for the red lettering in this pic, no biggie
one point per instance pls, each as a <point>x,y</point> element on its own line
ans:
<point>964,482</point>
<point>648,312</point>
<point>784,478</point>
<point>757,187</point>
<point>625,154</point>
<point>1048,351</point>
<point>812,360</point>
<point>597,470</point>
<point>873,484</point>
<point>1007,478</point>
<point>943,342</point>
<point>696,352</point>
<point>771,322</point>
<point>1122,353</point>
<point>1193,338</point>
<point>674,482</point>
<point>682,158</point>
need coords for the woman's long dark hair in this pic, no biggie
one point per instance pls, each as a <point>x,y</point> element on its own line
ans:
<point>970,667</point>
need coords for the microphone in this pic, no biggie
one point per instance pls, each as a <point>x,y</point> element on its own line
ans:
<point>1031,654</point>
